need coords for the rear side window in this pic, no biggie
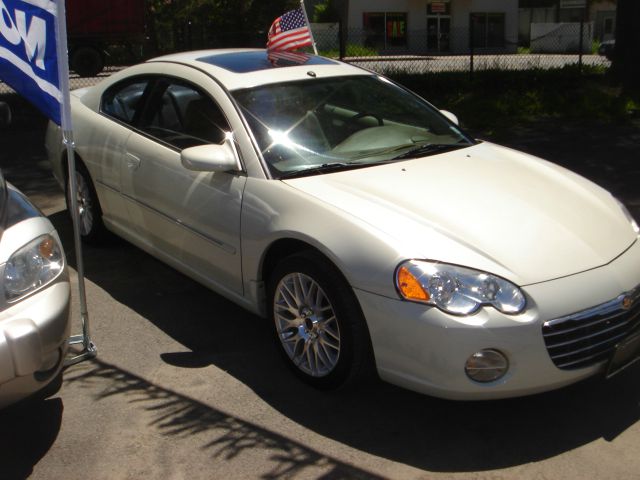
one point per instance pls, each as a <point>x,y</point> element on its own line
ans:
<point>122,101</point>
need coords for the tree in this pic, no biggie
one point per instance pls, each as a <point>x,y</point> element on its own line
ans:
<point>626,55</point>
<point>326,12</point>
<point>192,24</point>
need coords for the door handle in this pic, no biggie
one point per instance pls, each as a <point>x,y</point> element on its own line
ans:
<point>133,162</point>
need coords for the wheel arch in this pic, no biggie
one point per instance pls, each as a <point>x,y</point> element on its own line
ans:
<point>286,247</point>
<point>64,164</point>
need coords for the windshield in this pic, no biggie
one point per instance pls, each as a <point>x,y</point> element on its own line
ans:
<point>349,122</point>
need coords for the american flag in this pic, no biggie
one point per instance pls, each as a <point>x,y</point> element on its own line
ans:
<point>289,32</point>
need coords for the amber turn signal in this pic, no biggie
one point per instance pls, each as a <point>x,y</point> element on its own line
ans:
<point>410,287</point>
<point>47,247</point>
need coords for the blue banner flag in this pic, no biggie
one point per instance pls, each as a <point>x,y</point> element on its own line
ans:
<point>29,52</point>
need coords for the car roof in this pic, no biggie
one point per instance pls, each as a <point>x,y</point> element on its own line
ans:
<point>244,68</point>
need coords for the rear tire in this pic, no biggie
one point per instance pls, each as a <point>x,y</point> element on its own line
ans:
<point>92,229</point>
<point>318,324</point>
<point>87,61</point>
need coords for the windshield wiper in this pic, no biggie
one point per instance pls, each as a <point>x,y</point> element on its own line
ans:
<point>430,148</point>
<point>324,168</point>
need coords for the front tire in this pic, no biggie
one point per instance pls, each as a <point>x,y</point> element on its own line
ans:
<point>92,229</point>
<point>318,323</point>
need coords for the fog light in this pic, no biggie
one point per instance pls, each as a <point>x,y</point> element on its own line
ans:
<point>486,366</point>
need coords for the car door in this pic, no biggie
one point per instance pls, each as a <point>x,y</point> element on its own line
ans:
<point>104,145</point>
<point>189,219</point>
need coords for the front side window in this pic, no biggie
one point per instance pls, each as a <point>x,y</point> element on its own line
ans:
<point>352,121</point>
<point>168,109</point>
<point>182,116</point>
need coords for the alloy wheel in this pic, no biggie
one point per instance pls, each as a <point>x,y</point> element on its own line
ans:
<point>306,324</point>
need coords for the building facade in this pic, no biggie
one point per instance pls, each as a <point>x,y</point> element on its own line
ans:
<point>600,14</point>
<point>434,26</point>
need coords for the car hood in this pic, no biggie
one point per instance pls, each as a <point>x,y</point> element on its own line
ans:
<point>486,207</point>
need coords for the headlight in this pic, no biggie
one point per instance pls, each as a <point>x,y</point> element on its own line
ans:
<point>32,267</point>
<point>456,290</point>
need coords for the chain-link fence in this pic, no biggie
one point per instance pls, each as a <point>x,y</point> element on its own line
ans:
<point>549,46</point>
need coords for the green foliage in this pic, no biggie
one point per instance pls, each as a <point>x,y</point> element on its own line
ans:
<point>352,50</point>
<point>325,12</point>
<point>494,101</point>
<point>190,24</point>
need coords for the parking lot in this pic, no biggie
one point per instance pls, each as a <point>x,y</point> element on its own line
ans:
<point>188,385</point>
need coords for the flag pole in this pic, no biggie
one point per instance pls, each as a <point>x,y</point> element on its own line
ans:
<point>306,18</point>
<point>89,349</point>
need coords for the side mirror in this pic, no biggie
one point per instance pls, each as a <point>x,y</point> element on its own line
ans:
<point>450,116</point>
<point>211,158</point>
<point>5,115</point>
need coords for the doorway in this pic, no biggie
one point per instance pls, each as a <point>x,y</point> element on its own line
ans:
<point>438,33</point>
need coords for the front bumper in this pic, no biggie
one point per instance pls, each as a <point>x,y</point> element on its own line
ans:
<point>423,349</point>
<point>33,341</point>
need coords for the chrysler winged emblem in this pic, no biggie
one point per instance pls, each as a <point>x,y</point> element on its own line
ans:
<point>627,302</point>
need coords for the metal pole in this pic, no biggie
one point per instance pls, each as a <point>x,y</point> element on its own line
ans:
<point>343,13</point>
<point>88,348</point>
<point>313,40</point>
<point>471,32</point>
<point>580,43</point>
<point>341,43</point>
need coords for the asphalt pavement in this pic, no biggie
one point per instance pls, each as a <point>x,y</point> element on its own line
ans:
<point>188,385</point>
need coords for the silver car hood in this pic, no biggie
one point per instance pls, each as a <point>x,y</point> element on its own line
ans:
<point>486,207</point>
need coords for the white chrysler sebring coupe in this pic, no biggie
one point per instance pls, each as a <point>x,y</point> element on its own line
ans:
<point>363,222</point>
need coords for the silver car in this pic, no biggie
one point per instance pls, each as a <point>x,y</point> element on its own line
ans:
<point>364,223</point>
<point>34,300</point>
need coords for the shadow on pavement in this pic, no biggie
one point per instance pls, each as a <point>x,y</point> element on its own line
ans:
<point>225,436</point>
<point>27,432</point>
<point>381,419</point>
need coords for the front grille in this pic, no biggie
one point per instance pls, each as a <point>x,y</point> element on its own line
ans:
<point>588,337</point>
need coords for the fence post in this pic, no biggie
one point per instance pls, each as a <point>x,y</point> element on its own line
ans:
<point>580,44</point>
<point>471,31</point>
<point>341,40</point>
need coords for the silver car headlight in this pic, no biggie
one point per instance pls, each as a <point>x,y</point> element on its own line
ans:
<point>456,290</point>
<point>32,267</point>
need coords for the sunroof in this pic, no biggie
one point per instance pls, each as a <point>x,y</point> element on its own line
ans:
<point>245,62</point>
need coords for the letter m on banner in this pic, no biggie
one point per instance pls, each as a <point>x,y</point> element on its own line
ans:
<point>33,57</point>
